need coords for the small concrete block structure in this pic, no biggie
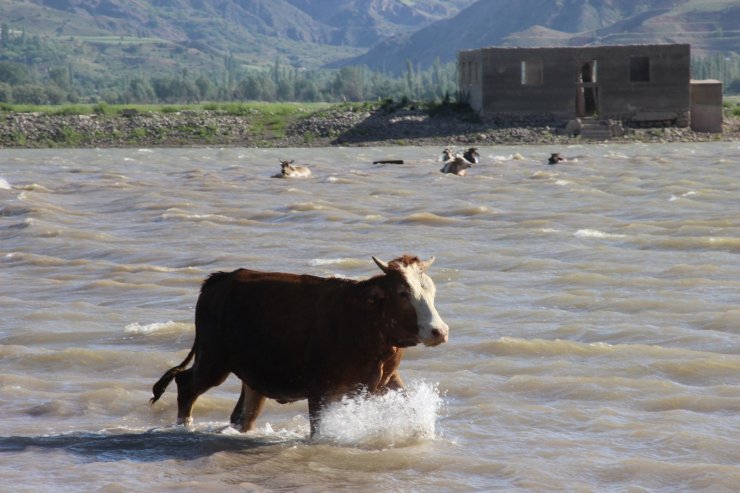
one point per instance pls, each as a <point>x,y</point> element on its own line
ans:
<point>706,106</point>
<point>642,85</point>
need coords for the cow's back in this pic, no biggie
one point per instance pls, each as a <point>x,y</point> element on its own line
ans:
<point>271,328</point>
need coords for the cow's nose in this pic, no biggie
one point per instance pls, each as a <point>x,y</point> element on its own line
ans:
<point>440,335</point>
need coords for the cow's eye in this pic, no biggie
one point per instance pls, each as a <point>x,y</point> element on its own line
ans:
<point>405,295</point>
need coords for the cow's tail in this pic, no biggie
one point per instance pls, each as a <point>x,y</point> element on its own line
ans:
<point>161,385</point>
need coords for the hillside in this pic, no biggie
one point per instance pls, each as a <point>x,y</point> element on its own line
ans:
<point>101,45</point>
<point>710,26</point>
<point>171,35</point>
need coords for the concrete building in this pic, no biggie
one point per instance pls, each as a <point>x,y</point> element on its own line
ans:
<point>640,85</point>
<point>706,106</point>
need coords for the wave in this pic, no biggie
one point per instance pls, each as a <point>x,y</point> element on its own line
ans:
<point>14,210</point>
<point>513,346</point>
<point>179,215</point>
<point>156,327</point>
<point>345,263</point>
<point>467,211</point>
<point>595,233</point>
<point>728,321</point>
<point>511,157</point>
<point>426,218</point>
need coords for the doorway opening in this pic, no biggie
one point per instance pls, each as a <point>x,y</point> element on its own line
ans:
<point>587,91</point>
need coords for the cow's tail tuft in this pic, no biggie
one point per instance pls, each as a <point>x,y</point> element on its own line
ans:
<point>161,385</point>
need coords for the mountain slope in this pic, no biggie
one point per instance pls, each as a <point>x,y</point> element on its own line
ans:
<point>113,39</point>
<point>107,38</point>
<point>708,25</point>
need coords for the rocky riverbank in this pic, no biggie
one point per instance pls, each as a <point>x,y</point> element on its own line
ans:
<point>338,126</point>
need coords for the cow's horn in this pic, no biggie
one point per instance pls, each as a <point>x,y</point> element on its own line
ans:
<point>427,263</point>
<point>383,265</point>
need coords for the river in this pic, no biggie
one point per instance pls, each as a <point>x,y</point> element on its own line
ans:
<point>593,306</point>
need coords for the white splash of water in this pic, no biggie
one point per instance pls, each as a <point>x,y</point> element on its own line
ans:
<point>595,233</point>
<point>393,419</point>
<point>137,328</point>
<point>318,262</point>
<point>4,185</point>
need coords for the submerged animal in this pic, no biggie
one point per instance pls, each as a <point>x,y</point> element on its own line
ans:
<point>457,166</point>
<point>555,158</point>
<point>290,337</point>
<point>289,171</point>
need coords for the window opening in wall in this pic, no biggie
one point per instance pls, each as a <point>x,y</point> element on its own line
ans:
<point>531,72</point>
<point>639,69</point>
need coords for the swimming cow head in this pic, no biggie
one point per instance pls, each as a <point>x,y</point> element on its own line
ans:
<point>285,166</point>
<point>410,303</point>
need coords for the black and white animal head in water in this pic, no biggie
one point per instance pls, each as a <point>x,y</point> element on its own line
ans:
<point>555,158</point>
<point>472,156</point>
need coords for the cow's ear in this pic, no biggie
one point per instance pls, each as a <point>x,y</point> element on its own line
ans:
<point>376,295</point>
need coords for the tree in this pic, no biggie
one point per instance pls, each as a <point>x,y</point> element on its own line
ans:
<point>6,93</point>
<point>14,73</point>
<point>59,76</point>
<point>140,91</point>
<point>733,87</point>
<point>4,35</point>
<point>205,88</point>
<point>306,90</point>
<point>29,94</point>
<point>247,89</point>
<point>55,94</point>
<point>409,77</point>
<point>284,90</point>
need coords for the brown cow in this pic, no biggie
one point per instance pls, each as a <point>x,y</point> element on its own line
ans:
<point>290,337</point>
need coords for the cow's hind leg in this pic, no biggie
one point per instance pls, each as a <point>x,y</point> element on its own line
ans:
<point>247,409</point>
<point>191,384</point>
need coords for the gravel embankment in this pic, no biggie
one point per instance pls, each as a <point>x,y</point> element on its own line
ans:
<point>347,128</point>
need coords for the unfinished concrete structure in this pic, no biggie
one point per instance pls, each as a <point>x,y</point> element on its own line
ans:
<point>706,106</point>
<point>640,85</point>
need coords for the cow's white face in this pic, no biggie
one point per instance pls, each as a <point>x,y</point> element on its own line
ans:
<point>420,290</point>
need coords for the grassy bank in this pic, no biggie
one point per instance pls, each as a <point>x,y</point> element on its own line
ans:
<point>251,123</point>
<point>270,116</point>
<point>119,109</point>
<point>153,124</point>
<point>731,106</point>
<point>257,124</point>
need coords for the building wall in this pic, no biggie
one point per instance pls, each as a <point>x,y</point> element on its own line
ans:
<point>545,81</point>
<point>470,76</point>
<point>706,106</point>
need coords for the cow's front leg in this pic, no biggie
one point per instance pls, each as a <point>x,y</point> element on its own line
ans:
<point>247,409</point>
<point>316,406</point>
<point>395,382</point>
